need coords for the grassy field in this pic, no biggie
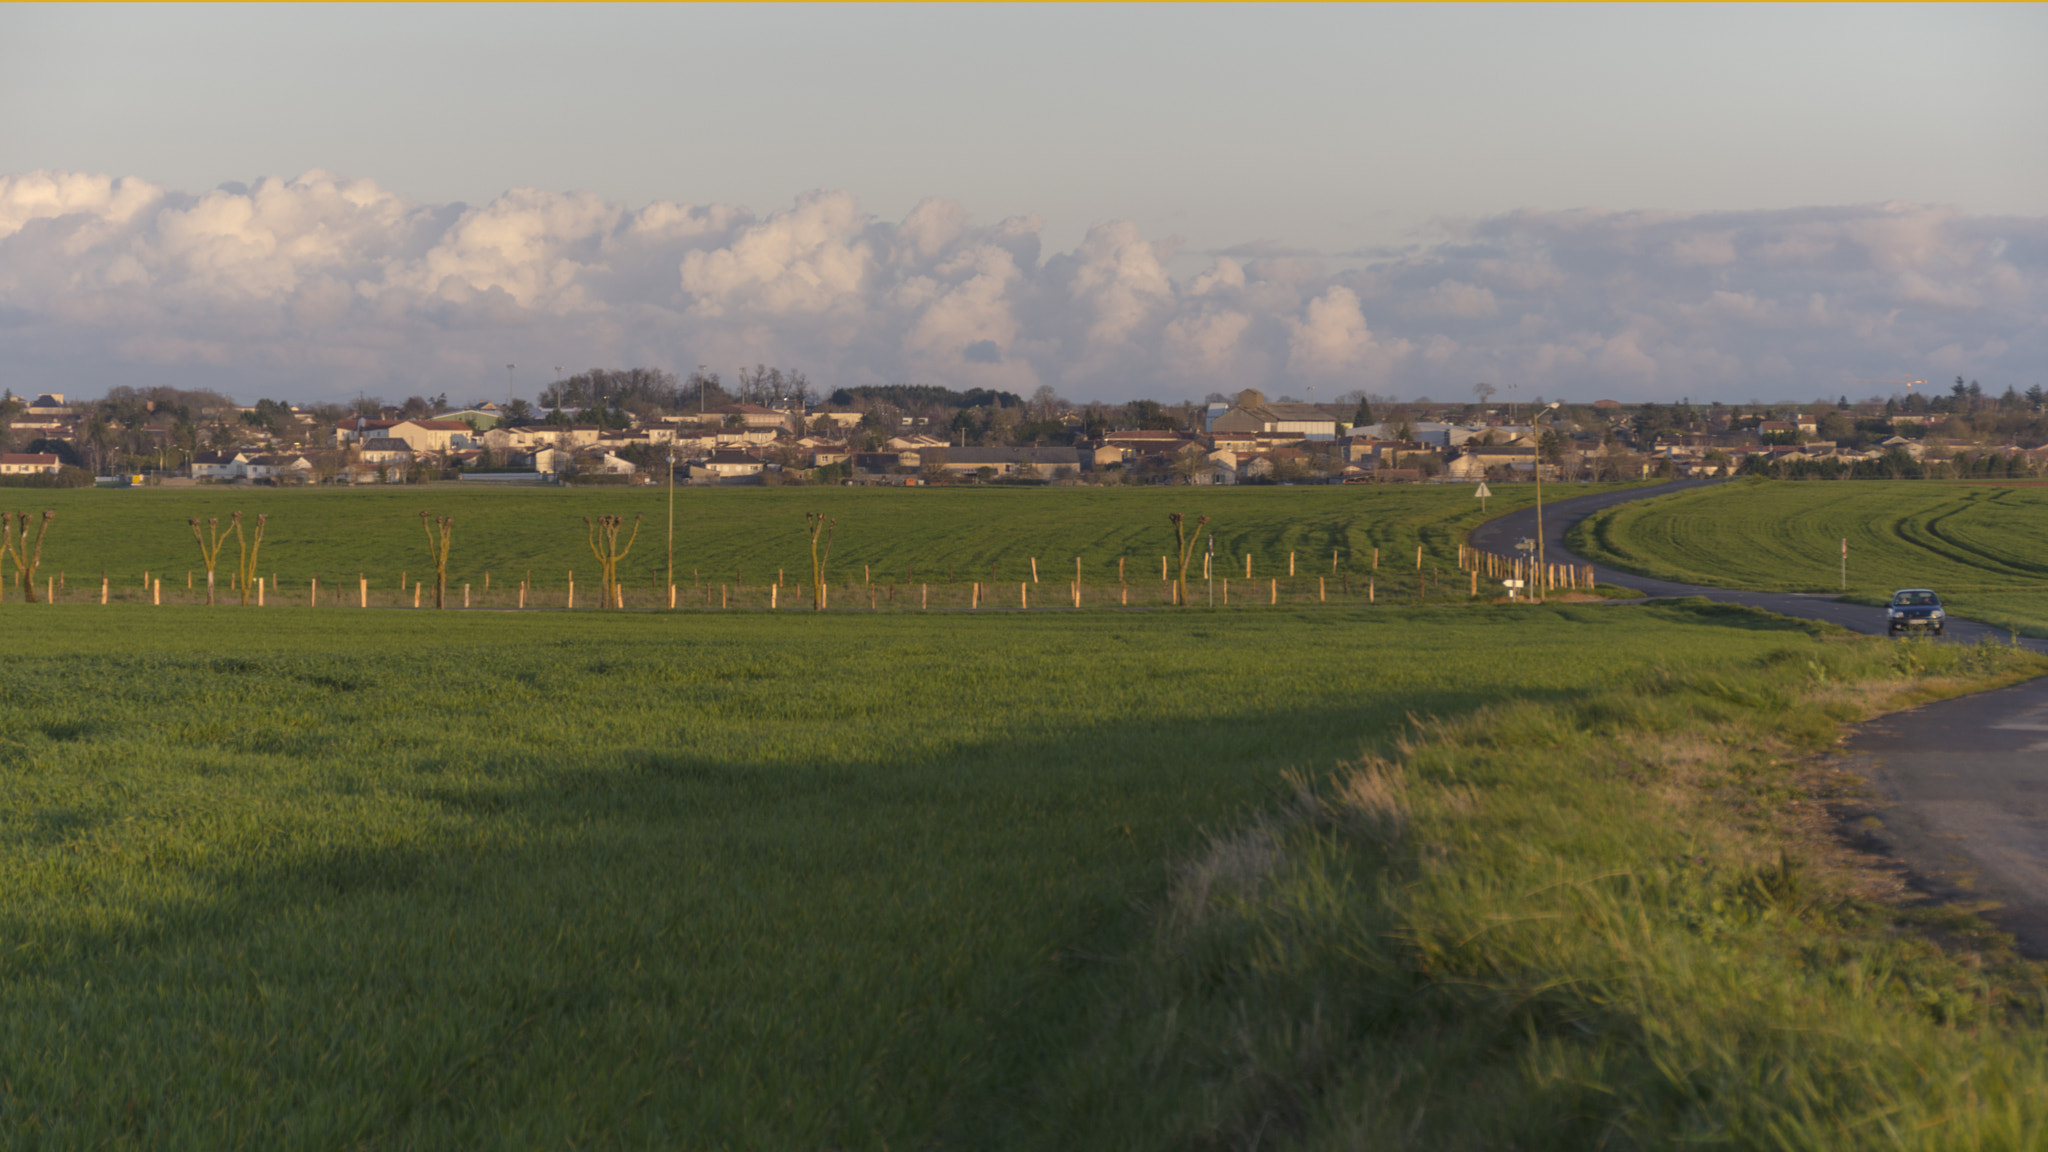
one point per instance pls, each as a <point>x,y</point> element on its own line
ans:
<point>745,536</point>
<point>1983,546</point>
<point>878,881</point>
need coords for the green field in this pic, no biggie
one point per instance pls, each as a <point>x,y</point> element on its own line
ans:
<point>1983,546</point>
<point>746,536</point>
<point>882,881</point>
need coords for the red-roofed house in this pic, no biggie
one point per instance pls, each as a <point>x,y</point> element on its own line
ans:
<point>27,463</point>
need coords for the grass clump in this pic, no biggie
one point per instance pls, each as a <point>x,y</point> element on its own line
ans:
<point>1603,920</point>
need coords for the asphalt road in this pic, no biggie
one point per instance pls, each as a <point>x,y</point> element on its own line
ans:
<point>1960,786</point>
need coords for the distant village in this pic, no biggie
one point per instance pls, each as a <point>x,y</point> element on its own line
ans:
<point>642,426</point>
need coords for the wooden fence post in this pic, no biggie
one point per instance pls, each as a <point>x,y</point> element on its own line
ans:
<point>156,592</point>
<point>363,587</point>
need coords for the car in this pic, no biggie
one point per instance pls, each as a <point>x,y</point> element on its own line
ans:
<point>1915,608</point>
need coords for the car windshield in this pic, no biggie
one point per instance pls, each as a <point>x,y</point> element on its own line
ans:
<point>1914,600</point>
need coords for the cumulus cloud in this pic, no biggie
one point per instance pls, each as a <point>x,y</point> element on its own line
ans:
<point>321,286</point>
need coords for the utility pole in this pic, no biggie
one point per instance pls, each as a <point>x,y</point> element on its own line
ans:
<point>671,514</point>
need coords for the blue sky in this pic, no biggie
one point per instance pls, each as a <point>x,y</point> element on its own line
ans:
<point>1343,136</point>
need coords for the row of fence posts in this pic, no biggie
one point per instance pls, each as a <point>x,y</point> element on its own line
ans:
<point>1478,564</point>
<point>1537,578</point>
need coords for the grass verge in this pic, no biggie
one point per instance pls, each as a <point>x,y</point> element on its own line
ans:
<point>1600,921</point>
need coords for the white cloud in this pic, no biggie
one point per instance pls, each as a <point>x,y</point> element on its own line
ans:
<point>321,285</point>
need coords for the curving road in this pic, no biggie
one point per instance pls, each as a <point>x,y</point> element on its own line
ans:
<point>1962,784</point>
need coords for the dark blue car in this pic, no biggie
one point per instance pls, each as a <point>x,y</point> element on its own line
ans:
<point>1915,608</point>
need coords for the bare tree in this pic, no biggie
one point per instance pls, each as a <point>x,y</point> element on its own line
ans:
<point>245,556</point>
<point>209,549</point>
<point>820,527</point>
<point>609,556</point>
<point>1185,544</point>
<point>1484,391</point>
<point>16,548</point>
<point>438,548</point>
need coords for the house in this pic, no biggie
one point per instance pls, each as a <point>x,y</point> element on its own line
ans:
<point>1045,463</point>
<point>885,461</point>
<point>358,428</point>
<point>1254,413</point>
<point>481,418</point>
<point>27,463</point>
<point>287,466</point>
<point>753,416</point>
<point>433,435</point>
<point>1478,459</point>
<point>726,465</point>
<point>47,404</point>
<point>604,463</point>
<point>219,466</point>
<point>386,451</point>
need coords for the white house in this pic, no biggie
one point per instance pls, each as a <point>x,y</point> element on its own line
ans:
<point>219,466</point>
<point>27,463</point>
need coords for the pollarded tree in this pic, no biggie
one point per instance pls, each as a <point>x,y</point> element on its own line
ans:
<point>820,527</point>
<point>438,549</point>
<point>1185,545</point>
<point>16,548</point>
<point>608,557</point>
<point>245,554</point>
<point>210,543</point>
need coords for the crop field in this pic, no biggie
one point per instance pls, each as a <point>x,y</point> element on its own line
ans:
<point>761,880</point>
<point>1983,546</point>
<point>733,543</point>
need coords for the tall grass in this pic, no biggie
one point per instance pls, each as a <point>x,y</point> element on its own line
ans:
<point>1573,923</point>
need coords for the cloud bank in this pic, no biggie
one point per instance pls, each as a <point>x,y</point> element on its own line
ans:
<point>317,287</point>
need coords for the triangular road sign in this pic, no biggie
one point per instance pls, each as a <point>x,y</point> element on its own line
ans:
<point>1482,493</point>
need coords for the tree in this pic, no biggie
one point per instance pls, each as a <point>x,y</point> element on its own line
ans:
<point>609,556</point>
<point>437,550</point>
<point>16,548</point>
<point>245,554</point>
<point>1184,544</point>
<point>1484,391</point>
<point>1363,417</point>
<point>819,527</point>
<point>210,543</point>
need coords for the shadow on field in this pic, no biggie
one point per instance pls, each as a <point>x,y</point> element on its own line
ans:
<point>483,937</point>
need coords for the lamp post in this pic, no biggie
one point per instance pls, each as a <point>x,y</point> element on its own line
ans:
<point>671,518</point>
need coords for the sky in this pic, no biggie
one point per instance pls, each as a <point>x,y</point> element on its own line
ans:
<point>1655,202</point>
